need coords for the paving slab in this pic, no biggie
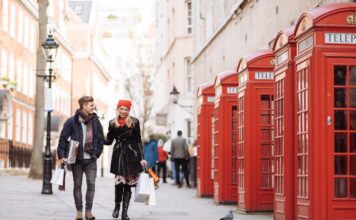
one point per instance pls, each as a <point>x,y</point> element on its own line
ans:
<point>21,199</point>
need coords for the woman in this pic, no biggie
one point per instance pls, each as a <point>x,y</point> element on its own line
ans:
<point>127,158</point>
<point>162,158</point>
<point>150,153</point>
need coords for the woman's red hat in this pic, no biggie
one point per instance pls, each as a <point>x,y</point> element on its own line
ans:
<point>123,102</point>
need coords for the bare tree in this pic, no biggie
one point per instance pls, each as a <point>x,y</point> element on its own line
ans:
<point>36,168</point>
<point>139,87</point>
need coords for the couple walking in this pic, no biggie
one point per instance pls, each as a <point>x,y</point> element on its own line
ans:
<point>127,160</point>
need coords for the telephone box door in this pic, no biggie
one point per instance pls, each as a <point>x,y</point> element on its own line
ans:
<point>341,134</point>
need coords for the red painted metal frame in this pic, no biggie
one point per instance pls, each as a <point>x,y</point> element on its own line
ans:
<point>253,194</point>
<point>284,189</point>
<point>205,115</point>
<point>314,83</point>
<point>225,181</point>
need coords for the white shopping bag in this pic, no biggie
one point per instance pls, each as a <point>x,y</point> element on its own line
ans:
<point>152,197</point>
<point>142,190</point>
<point>58,176</point>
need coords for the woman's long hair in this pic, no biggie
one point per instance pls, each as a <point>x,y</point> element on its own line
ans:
<point>128,120</point>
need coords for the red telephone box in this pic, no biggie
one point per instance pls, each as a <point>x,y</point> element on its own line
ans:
<point>205,135</point>
<point>255,132</point>
<point>325,82</point>
<point>225,138</point>
<point>284,151</point>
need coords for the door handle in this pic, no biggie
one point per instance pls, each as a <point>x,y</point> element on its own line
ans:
<point>329,120</point>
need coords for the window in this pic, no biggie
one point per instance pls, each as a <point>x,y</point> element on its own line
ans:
<point>189,17</point>
<point>18,124</point>
<point>190,82</point>
<point>30,129</point>
<point>31,83</point>
<point>78,9</point>
<point>24,127</point>
<point>9,128</point>
<point>4,63</point>
<point>11,73</point>
<point>25,79</point>
<point>26,33</point>
<point>12,20</point>
<point>5,15</point>
<point>33,41</point>
<point>20,28</point>
<point>19,75</point>
<point>189,128</point>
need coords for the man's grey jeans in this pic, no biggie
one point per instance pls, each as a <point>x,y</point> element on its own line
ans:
<point>87,166</point>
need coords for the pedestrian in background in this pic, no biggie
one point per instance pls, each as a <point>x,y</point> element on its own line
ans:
<point>167,147</point>
<point>127,158</point>
<point>85,128</point>
<point>180,155</point>
<point>161,163</point>
<point>150,152</point>
<point>193,153</point>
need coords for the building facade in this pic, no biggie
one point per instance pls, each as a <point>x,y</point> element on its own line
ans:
<point>174,45</point>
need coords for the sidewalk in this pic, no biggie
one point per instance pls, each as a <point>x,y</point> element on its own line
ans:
<point>21,198</point>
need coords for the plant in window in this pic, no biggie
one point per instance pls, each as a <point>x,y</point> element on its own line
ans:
<point>5,81</point>
<point>12,85</point>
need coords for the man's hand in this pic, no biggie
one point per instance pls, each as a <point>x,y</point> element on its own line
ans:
<point>63,160</point>
<point>143,163</point>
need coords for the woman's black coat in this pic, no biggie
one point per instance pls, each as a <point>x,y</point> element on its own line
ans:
<point>127,152</point>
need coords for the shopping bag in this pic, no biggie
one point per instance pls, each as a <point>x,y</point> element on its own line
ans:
<point>142,190</point>
<point>73,152</point>
<point>153,175</point>
<point>152,197</point>
<point>63,186</point>
<point>58,176</point>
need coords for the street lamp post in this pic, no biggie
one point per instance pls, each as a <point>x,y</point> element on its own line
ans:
<point>50,47</point>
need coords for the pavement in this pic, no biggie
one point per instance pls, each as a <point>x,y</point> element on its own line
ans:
<point>21,198</point>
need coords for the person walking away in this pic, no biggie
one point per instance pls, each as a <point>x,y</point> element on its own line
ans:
<point>161,163</point>
<point>167,147</point>
<point>150,152</point>
<point>179,153</point>
<point>127,159</point>
<point>85,128</point>
<point>193,153</point>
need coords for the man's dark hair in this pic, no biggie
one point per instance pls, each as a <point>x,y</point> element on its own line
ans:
<point>179,133</point>
<point>85,99</point>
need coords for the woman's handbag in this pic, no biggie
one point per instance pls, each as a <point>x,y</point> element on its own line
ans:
<point>153,175</point>
<point>142,190</point>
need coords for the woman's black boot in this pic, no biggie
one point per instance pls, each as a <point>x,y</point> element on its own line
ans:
<point>126,202</point>
<point>118,199</point>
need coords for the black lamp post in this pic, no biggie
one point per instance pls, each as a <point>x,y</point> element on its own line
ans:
<point>50,47</point>
<point>174,94</point>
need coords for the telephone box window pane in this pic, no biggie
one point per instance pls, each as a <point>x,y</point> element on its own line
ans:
<point>340,165</point>
<point>340,142</point>
<point>340,120</point>
<point>340,98</point>
<point>353,187</point>
<point>340,187</point>
<point>340,75</point>
<point>353,75</point>
<point>352,120</point>
<point>353,142</point>
<point>352,98</point>
<point>353,165</point>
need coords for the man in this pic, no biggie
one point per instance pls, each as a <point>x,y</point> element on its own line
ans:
<point>85,128</point>
<point>179,153</point>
